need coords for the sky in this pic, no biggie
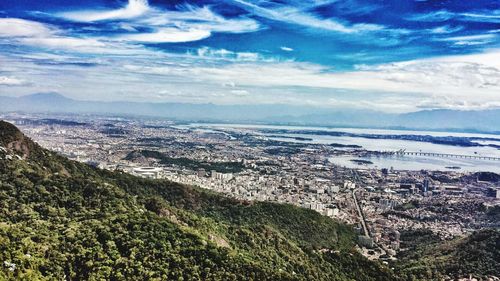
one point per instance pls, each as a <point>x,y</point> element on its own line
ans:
<point>389,56</point>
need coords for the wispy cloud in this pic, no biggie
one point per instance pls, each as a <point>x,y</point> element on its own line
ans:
<point>464,78</point>
<point>300,14</point>
<point>189,23</point>
<point>435,16</point>
<point>444,15</point>
<point>460,82</point>
<point>446,29</point>
<point>133,9</point>
<point>14,27</point>
<point>493,16</point>
<point>223,54</point>
<point>477,39</point>
<point>257,51</point>
<point>297,16</point>
<point>198,18</point>
<point>192,24</point>
<point>166,35</point>
<point>11,81</point>
<point>16,31</point>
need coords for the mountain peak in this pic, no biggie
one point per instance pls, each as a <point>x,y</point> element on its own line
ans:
<point>46,97</point>
<point>9,133</point>
<point>14,140</point>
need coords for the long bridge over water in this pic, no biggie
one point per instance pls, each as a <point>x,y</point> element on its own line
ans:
<point>445,155</point>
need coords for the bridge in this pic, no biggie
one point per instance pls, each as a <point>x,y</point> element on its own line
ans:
<point>403,152</point>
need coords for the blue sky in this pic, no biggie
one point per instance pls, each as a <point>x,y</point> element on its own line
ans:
<point>393,56</point>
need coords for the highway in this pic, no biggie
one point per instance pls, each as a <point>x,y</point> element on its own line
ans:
<point>357,180</point>
<point>360,213</point>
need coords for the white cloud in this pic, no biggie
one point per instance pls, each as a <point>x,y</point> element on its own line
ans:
<point>444,15</point>
<point>299,17</point>
<point>240,93</point>
<point>477,39</point>
<point>41,35</point>
<point>457,82</point>
<point>445,29</point>
<point>167,35</point>
<point>493,16</point>
<point>11,81</point>
<point>460,82</point>
<point>198,18</point>
<point>217,54</point>
<point>187,18</point>
<point>188,24</point>
<point>436,16</point>
<point>286,49</point>
<point>15,31</point>
<point>133,9</point>
<point>81,45</point>
<point>127,27</point>
<point>463,78</point>
<point>63,42</point>
<point>445,102</point>
<point>14,27</point>
<point>464,82</point>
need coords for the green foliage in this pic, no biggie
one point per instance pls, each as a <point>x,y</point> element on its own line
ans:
<point>431,259</point>
<point>221,167</point>
<point>406,206</point>
<point>60,219</point>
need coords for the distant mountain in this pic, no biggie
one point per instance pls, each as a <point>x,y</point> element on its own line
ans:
<point>46,98</point>
<point>477,121</point>
<point>64,220</point>
<point>485,120</point>
<point>51,102</point>
<point>43,102</point>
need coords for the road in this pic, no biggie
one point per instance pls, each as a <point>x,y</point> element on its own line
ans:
<point>358,182</point>
<point>360,213</point>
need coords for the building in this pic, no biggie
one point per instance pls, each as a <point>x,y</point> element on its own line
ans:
<point>425,185</point>
<point>332,212</point>
<point>201,173</point>
<point>494,192</point>
<point>147,172</point>
<point>349,185</point>
<point>332,189</point>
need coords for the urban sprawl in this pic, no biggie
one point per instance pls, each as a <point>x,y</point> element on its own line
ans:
<point>245,164</point>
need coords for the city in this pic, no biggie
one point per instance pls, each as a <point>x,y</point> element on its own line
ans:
<point>259,140</point>
<point>381,203</point>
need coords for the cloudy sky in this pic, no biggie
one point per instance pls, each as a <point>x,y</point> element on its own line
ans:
<point>392,56</point>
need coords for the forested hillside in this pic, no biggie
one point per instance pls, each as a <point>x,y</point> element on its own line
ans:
<point>427,258</point>
<point>64,220</point>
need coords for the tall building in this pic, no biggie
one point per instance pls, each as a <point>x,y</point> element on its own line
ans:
<point>425,185</point>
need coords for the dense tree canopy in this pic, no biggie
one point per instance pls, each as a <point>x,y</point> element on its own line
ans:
<point>61,219</point>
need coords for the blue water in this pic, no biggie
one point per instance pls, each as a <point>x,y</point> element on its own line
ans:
<point>401,162</point>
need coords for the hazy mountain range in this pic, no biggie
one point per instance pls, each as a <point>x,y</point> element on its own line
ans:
<point>485,121</point>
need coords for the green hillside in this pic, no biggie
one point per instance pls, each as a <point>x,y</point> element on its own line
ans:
<point>477,255</point>
<point>64,220</point>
